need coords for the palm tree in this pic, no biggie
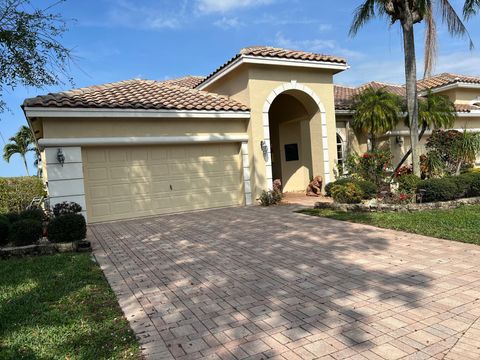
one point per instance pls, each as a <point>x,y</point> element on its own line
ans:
<point>434,112</point>
<point>470,8</point>
<point>408,13</point>
<point>466,149</point>
<point>20,144</point>
<point>375,111</point>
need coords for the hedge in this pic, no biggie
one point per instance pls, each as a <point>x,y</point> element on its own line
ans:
<point>369,189</point>
<point>16,193</point>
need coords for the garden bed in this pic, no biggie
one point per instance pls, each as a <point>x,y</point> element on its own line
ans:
<point>44,247</point>
<point>375,206</point>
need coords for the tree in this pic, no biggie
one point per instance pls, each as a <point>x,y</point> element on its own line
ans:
<point>30,53</point>
<point>470,8</point>
<point>408,13</point>
<point>434,112</point>
<point>376,111</point>
<point>19,144</point>
<point>466,149</point>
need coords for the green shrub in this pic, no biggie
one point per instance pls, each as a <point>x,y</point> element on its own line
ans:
<point>341,181</point>
<point>67,228</point>
<point>270,197</point>
<point>475,186</point>
<point>443,189</point>
<point>35,214</point>
<point>408,183</point>
<point>4,230</point>
<point>349,193</point>
<point>368,188</point>
<point>17,193</point>
<point>12,217</point>
<point>25,232</point>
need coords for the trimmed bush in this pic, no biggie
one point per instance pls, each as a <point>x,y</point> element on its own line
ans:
<point>408,183</point>
<point>444,189</point>
<point>66,208</point>
<point>67,228</point>
<point>17,193</point>
<point>4,230</point>
<point>368,188</point>
<point>34,214</point>
<point>475,186</point>
<point>349,193</point>
<point>12,217</point>
<point>25,232</point>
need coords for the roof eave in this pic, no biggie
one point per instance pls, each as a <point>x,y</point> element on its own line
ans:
<point>131,113</point>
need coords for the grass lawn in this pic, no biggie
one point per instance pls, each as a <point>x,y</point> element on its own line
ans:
<point>60,307</point>
<point>461,224</point>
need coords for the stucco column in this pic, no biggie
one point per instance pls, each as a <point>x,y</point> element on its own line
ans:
<point>246,174</point>
<point>65,182</point>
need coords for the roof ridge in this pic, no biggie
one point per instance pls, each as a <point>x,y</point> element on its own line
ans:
<point>379,82</point>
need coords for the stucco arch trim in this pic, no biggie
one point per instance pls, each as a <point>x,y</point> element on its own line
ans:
<point>293,85</point>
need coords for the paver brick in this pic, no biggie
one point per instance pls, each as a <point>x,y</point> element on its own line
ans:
<point>252,283</point>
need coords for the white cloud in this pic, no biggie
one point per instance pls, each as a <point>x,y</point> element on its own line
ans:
<point>316,45</point>
<point>229,23</point>
<point>129,14</point>
<point>463,63</point>
<point>222,6</point>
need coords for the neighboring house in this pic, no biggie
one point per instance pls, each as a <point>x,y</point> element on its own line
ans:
<point>463,91</point>
<point>139,147</point>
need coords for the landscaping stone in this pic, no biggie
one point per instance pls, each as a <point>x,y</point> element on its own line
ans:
<point>44,247</point>
<point>373,206</point>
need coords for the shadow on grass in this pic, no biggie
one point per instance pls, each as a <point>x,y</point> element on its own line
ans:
<point>257,270</point>
<point>60,306</point>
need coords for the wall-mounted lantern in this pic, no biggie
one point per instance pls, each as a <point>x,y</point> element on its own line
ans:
<point>264,147</point>
<point>60,157</point>
<point>399,140</point>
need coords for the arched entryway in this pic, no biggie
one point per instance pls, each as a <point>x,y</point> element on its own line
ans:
<point>295,131</point>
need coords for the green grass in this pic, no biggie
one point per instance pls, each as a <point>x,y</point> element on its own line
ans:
<point>461,224</point>
<point>60,307</point>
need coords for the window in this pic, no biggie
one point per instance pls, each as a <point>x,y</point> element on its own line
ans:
<point>340,150</point>
<point>291,152</point>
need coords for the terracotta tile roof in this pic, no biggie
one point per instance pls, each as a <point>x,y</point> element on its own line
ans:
<point>466,108</point>
<point>445,79</point>
<point>186,81</point>
<point>139,94</point>
<point>344,94</point>
<point>272,52</point>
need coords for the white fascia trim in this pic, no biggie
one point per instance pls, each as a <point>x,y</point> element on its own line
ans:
<point>428,132</point>
<point>249,59</point>
<point>472,113</point>
<point>132,113</point>
<point>452,86</point>
<point>142,140</point>
<point>344,112</point>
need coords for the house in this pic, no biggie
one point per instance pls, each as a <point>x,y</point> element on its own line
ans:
<point>140,147</point>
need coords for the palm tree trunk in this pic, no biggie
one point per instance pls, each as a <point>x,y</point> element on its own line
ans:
<point>411,87</point>
<point>25,163</point>
<point>407,154</point>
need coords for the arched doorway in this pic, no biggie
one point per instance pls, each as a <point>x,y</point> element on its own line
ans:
<point>295,129</point>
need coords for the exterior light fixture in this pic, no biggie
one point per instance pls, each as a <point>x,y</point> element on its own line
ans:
<point>399,140</point>
<point>60,157</point>
<point>264,147</point>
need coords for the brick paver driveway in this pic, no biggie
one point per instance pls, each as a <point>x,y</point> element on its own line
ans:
<point>262,283</point>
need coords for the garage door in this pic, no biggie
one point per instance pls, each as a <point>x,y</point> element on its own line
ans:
<point>134,181</point>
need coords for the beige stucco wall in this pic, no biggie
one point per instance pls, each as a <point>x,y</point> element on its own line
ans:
<point>106,127</point>
<point>261,80</point>
<point>462,95</point>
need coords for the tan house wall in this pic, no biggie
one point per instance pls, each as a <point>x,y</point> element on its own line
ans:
<point>462,95</point>
<point>90,127</point>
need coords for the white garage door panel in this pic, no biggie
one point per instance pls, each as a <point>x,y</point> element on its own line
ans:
<point>133,181</point>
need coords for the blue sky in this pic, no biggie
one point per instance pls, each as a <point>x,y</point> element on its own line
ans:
<point>159,39</point>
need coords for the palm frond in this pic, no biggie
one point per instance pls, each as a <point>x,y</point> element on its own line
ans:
<point>454,23</point>
<point>363,14</point>
<point>470,8</point>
